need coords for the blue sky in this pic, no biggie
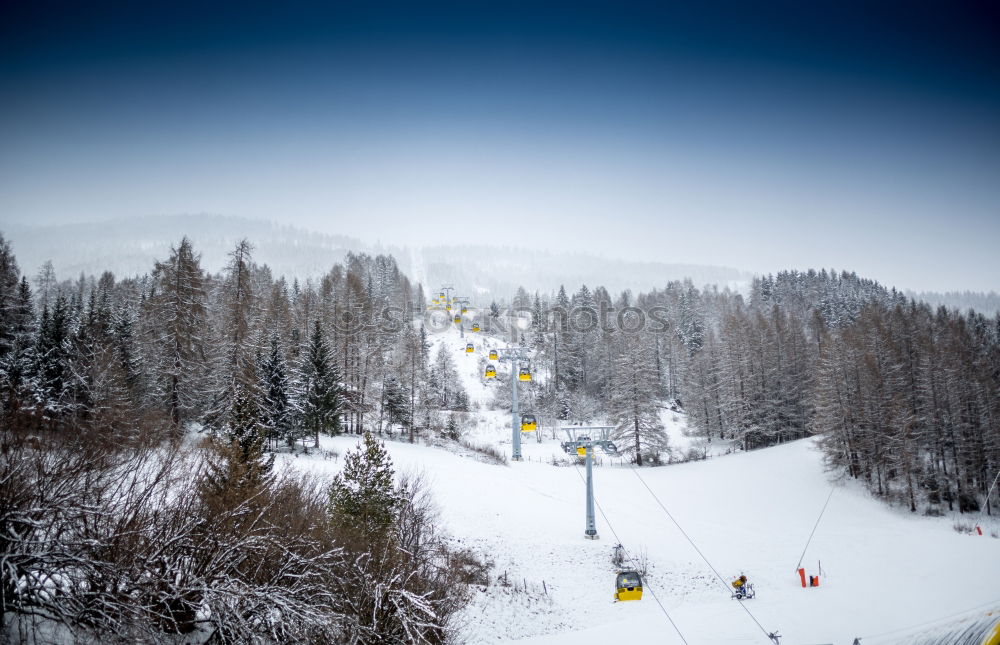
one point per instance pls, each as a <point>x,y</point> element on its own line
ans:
<point>757,135</point>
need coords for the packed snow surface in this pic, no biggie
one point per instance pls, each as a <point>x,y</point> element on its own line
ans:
<point>883,568</point>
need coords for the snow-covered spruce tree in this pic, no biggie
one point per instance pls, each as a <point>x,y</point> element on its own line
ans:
<point>239,466</point>
<point>50,373</point>
<point>395,589</point>
<point>691,323</point>
<point>395,402</point>
<point>363,497</point>
<point>46,284</point>
<point>446,388</point>
<point>634,407</point>
<point>127,353</point>
<point>321,399</point>
<point>15,366</point>
<point>275,403</point>
<point>99,386</point>
<point>9,310</point>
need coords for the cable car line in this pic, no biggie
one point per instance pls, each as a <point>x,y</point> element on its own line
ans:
<point>629,556</point>
<point>815,526</point>
<point>770,635</point>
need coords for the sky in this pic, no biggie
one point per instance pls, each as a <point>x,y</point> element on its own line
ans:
<point>756,135</point>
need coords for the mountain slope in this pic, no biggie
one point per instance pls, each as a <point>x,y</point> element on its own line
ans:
<point>748,512</point>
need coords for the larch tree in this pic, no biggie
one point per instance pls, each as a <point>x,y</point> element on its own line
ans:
<point>634,405</point>
<point>179,317</point>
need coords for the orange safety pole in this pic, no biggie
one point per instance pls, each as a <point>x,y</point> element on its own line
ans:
<point>802,576</point>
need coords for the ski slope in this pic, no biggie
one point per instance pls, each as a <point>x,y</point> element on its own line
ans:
<point>884,569</point>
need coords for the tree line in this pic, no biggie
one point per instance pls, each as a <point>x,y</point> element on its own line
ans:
<point>179,346</point>
<point>904,397</point>
<point>116,527</point>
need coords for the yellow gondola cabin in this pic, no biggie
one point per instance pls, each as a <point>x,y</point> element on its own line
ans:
<point>458,319</point>
<point>628,586</point>
<point>528,423</point>
<point>475,326</point>
<point>491,371</point>
<point>470,348</point>
<point>493,354</point>
<point>524,374</point>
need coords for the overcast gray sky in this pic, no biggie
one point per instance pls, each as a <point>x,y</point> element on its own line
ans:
<point>756,138</point>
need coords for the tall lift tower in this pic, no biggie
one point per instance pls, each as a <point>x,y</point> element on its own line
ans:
<point>582,440</point>
<point>516,356</point>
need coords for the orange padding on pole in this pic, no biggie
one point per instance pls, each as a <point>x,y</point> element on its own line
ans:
<point>802,576</point>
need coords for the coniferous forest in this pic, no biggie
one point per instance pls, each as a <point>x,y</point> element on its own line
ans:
<point>104,380</point>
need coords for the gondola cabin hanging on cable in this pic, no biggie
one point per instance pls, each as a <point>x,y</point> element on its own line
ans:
<point>581,451</point>
<point>524,374</point>
<point>475,326</point>
<point>491,371</point>
<point>528,423</point>
<point>458,319</point>
<point>493,354</point>
<point>465,309</point>
<point>470,348</point>
<point>448,307</point>
<point>628,586</point>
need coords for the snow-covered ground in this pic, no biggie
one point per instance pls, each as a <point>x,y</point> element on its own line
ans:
<point>884,569</point>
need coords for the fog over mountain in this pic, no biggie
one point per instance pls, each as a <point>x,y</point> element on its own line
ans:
<point>480,271</point>
<point>131,246</point>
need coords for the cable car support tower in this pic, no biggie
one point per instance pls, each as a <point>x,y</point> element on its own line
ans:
<point>515,356</point>
<point>463,303</point>
<point>582,440</point>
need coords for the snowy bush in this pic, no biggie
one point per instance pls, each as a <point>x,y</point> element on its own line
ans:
<point>490,452</point>
<point>106,546</point>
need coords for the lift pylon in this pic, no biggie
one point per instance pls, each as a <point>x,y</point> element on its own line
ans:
<point>515,356</point>
<point>582,440</point>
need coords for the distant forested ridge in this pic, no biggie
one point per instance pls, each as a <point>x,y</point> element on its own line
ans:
<point>987,303</point>
<point>129,247</point>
